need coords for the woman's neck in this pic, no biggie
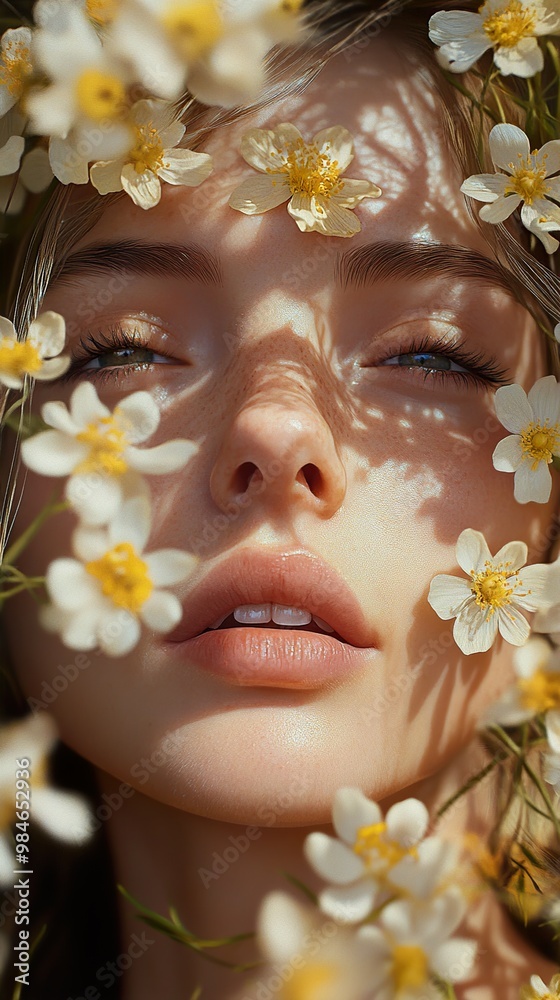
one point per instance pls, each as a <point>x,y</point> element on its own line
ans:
<point>216,874</point>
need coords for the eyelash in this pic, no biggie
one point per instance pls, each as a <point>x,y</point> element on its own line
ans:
<point>482,371</point>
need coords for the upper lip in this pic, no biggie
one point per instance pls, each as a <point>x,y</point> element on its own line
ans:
<point>298,579</point>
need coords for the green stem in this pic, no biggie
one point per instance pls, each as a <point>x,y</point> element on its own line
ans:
<point>19,402</point>
<point>474,780</point>
<point>503,737</point>
<point>28,585</point>
<point>15,550</point>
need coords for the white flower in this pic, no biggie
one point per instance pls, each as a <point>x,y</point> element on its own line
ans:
<point>537,990</point>
<point>413,941</point>
<point>527,179</point>
<point>375,857</point>
<point>87,88</point>
<point>534,420</point>
<point>35,356</point>
<point>218,49</point>
<point>153,158</point>
<point>536,688</point>
<point>557,332</point>
<point>97,449</point>
<point>306,175</point>
<point>64,815</point>
<point>510,27</point>
<point>16,66</point>
<point>311,957</point>
<point>552,759</point>
<point>489,601</point>
<point>100,597</point>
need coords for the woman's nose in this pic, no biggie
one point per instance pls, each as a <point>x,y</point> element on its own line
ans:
<point>283,454</point>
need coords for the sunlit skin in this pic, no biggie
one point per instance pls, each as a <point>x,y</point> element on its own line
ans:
<point>277,361</point>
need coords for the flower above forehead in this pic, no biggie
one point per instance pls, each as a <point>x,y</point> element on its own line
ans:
<point>305,174</point>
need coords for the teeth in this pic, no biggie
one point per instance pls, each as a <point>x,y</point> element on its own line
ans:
<point>323,624</point>
<point>252,614</point>
<point>281,614</point>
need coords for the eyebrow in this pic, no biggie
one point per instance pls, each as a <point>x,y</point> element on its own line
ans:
<point>388,261</point>
<point>175,260</point>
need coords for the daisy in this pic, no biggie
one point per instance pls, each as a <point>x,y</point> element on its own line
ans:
<point>536,689</point>
<point>306,175</point>
<point>16,67</point>
<point>534,420</point>
<point>64,815</point>
<point>101,597</point>
<point>489,601</point>
<point>97,449</point>
<point>35,356</point>
<point>527,180</point>
<point>412,942</point>
<point>307,957</point>
<point>87,87</point>
<point>374,856</point>
<point>509,27</point>
<point>536,990</point>
<point>152,158</point>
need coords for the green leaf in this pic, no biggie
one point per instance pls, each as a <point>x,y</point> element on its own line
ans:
<point>302,887</point>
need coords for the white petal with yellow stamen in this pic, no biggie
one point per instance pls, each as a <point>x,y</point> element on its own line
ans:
<point>101,597</point>
<point>306,175</point>
<point>536,689</point>
<point>36,356</point>
<point>97,449</point>
<point>509,27</point>
<point>16,66</point>
<point>151,158</point>
<point>527,181</point>
<point>488,603</point>
<point>534,420</point>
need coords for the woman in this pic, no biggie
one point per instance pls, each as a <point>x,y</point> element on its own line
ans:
<point>342,397</point>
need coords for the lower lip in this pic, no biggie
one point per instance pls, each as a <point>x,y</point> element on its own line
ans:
<point>267,657</point>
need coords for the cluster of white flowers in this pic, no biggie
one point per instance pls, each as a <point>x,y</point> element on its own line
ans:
<point>97,80</point>
<point>392,911</point>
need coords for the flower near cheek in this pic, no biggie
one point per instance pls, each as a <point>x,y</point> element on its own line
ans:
<point>489,601</point>
<point>35,356</point>
<point>536,689</point>
<point>412,943</point>
<point>101,597</point>
<point>375,858</point>
<point>510,27</point>
<point>64,815</point>
<point>152,158</point>
<point>534,420</point>
<point>537,990</point>
<point>526,181</point>
<point>306,175</point>
<point>97,449</point>
<point>322,961</point>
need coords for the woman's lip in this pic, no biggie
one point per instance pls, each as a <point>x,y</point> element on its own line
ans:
<point>269,657</point>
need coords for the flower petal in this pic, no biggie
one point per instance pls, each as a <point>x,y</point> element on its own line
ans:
<point>166,457</point>
<point>161,611</point>
<point>95,498</point>
<point>85,405</point>
<point>65,815</point>
<point>105,175</point>
<point>532,484</point>
<point>500,210</point>
<point>138,416</point>
<point>183,166</point>
<point>331,859</point>
<point>337,143</point>
<point>69,585</point>
<point>524,59</point>
<point>484,187</point>
<point>264,149</point>
<point>473,631</point>
<point>352,810</point>
<point>144,189</point>
<point>507,143</point>
<point>260,194</point>
<point>508,454</point>
<point>407,822</point>
<point>132,523</point>
<point>448,594</point>
<point>514,627</point>
<point>544,397</point>
<point>52,368</point>
<point>513,408</point>
<point>348,904</point>
<point>119,633</point>
<point>170,566</point>
<point>48,333</point>
<point>52,453</point>
<point>353,191</point>
<point>472,551</point>
<point>513,552</point>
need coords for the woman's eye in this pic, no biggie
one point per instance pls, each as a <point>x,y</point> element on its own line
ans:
<point>426,360</point>
<point>120,357</point>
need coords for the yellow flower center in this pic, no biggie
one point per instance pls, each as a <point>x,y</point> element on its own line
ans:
<point>100,95</point>
<point>310,172</point>
<point>491,586</point>
<point>107,442</point>
<point>15,68</point>
<point>124,576</point>
<point>540,692</point>
<point>148,151</point>
<point>194,27</point>
<point>539,442</point>
<point>508,25</point>
<point>410,966</point>
<point>19,358</point>
<point>290,6</point>
<point>308,983</point>
<point>528,180</point>
<point>372,839</point>
<point>101,11</point>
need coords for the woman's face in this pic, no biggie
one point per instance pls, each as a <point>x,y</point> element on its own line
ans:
<point>308,443</point>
